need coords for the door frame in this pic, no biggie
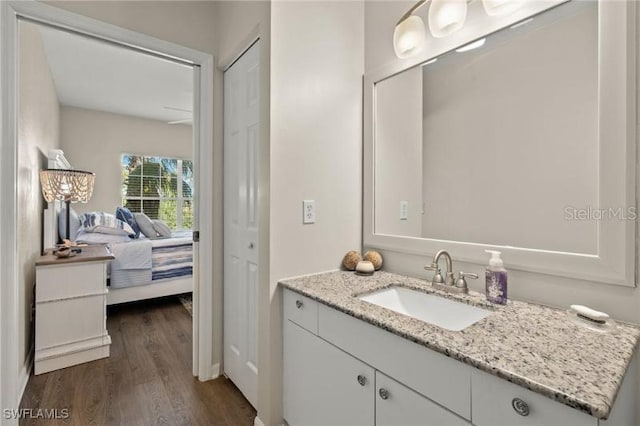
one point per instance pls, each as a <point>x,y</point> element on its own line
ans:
<point>12,385</point>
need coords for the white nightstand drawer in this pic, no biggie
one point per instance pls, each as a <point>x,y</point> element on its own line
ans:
<point>70,320</point>
<point>70,280</point>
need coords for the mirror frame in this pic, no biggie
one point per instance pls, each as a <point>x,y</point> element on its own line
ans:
<point>616,261</point>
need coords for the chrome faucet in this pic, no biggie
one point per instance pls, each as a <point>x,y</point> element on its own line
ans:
<point>448,283</point>
<point>437,277</point>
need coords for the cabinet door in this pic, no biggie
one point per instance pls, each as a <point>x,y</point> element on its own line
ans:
<point>396,405</point>
<point>323,385</point>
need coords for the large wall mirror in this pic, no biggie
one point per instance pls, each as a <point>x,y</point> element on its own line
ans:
<point>521,140</point>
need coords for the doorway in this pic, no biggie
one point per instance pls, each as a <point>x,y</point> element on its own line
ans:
<point>14,379</point>
<point>241,150</point>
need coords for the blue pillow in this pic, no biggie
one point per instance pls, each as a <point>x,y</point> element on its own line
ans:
<point>125,215</point>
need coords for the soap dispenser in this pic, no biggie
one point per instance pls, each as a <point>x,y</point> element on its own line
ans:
<point>496,279</point>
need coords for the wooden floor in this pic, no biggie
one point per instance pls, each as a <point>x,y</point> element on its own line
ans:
<point>146,381</point>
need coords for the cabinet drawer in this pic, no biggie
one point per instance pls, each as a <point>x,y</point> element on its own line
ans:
<point>68,321</point>
<point>69,280</point>
<point>396,404</point>
<point>493,405</point>
<point>301,310</point>
<point>436,376</point>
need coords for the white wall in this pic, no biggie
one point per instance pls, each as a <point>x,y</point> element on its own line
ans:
<point>188,23</point>
<point>621,302</point>
<point>316,153</point>
<point>398,154</point>
<point>38,132</point>
<point>95,141</point>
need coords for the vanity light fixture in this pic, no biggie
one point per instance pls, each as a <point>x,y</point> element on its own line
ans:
<point>409,36</point>
<point>445,18</point>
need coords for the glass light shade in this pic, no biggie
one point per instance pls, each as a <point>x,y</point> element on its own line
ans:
<point>409,37</point>
<point>446,16</point>
<point>501,7</point>
<point>67,185</point>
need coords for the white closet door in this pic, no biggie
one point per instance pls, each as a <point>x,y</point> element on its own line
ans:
<point>241,113</point>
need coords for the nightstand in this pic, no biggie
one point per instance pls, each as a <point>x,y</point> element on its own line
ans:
<point>71,309</point>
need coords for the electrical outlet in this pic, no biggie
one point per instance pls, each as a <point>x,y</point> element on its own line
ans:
<point>308,211</point>
<point>404,210</point>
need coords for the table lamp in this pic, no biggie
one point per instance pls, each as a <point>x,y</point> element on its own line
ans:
<point>70,186</point>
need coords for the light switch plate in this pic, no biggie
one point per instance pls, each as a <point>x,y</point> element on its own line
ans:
<point>308,211</point>
<point>404,210</point>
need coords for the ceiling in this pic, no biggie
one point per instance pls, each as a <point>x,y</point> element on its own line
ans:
<point>98,75</point>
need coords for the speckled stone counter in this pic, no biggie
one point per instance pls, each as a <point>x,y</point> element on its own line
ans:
<point>533,346</point>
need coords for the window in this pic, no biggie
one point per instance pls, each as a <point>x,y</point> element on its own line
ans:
<point>162,188</point>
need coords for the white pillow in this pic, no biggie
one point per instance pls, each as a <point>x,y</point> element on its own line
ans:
<point>105,223</point>
<point>161,228</point>
<point>146,225</point>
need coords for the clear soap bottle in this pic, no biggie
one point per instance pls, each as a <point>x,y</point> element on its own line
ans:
<point>496,279</point>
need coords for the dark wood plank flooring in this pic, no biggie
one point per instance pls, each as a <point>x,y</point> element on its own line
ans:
<point>146,381</point>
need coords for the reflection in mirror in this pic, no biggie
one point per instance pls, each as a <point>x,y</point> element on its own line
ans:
<point>496,143</point>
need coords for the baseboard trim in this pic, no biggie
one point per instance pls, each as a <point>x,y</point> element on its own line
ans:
<point>257,422</point>
<point>213,373</point>
<point>215,370</point>
<point>24,374</point>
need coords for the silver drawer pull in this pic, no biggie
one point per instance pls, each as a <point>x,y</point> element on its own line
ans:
<point>384,394</point>
<point>520,406</point>
<point>299,304</point>
<point>362,380</point>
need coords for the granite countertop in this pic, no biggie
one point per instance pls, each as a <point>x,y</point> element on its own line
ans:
<point>530,345</point>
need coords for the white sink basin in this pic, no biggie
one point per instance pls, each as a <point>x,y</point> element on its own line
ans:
<point>445,313</point>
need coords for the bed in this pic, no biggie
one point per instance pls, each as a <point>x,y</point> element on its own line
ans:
<point>143,268</point>
<point>147,268</point>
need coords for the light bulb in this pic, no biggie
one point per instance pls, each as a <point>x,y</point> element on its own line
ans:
<point>446,16</point>
<point>501,7</point>
<point>409,37</point>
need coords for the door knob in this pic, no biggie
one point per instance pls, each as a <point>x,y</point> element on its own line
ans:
<point>362,380</point>
<point>250,245</point>
<point>298,304</point>
<point>384,394</point>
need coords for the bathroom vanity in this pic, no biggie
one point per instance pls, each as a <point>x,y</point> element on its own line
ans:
<point>348,361</point>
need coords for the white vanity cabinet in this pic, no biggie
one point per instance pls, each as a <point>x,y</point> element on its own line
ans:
<point>339,370</point>
<point>324,385</point>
